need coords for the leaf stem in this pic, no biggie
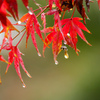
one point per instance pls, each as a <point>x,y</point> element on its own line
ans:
<point>73,12</point>
<point>21,39</point>
<point>38,9</point>
<point>19,33</point>
<point>42,11</point>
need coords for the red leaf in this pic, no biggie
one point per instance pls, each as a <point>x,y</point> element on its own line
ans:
<point>12,7</point>
<point>34,40</point>
<point>24,18</point>
<point>43,18</point>
<point>10,59</point>
<point>3,17</point>
<point>56,46</point>
<point>50,3</point>
<point>99,4</point>
<point>30,19</point>
<point>25,2</point>
<point>22,63</point>
<point>15,55</point>
<point>56,38</point>
<point>74,26</point>
<point>49,39</point>
<point>36,26</point>
<point>57,20</point>
<point>1,1</point>
<point>2,59</point>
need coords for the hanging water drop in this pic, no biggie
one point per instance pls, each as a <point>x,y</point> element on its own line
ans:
<point>56,62</point>
<point>39,54</point>
<point>68,34</point>
<point>65,42</point>
<point>30,12</point>
<point>24,86</point>
<point>27,7</point>
<point>19,22</point>
<point>66,54</point>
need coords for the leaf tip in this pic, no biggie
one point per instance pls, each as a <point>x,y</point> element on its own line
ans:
<point>6,72</point>
<point>39,54</point>
<point>29,75</point>
<point>0,80</point>
<point>89,44</point>
<point>56,62</point>
<point>24,86</point>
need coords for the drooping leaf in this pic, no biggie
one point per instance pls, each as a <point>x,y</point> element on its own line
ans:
<point>57,21</point>
<point>2,59</point>
<point>15,55</point>
<point>56,46</point>
<point>55,37</point>
<point>31,25</point>
<point>43,18</point>
<point>73,26</point>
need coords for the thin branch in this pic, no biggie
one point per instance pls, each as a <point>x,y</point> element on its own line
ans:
<point>19,33</point>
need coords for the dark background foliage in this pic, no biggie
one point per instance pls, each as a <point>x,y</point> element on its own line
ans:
<point>77,78</point>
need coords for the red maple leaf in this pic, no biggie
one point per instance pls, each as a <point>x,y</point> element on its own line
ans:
<point>99,4</point>
<point>57,21</point>
<point>32,25</point>
<point>25,2</point>
<point>43,18</point>
<point>2,59</point>
<point>55,37</point>
<point>15,55</point>
<point>73,26</point>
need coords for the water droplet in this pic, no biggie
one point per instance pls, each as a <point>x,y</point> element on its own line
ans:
<point>30,12</point>
<point>68,34</point>
<point>19,22</point>
<point>56,62</point>
<point>65,42</point>
<point>39,54</point>
<point>27,7</point>
<point>24,86</point>
<point>59,15</point>
<point>66,56</point>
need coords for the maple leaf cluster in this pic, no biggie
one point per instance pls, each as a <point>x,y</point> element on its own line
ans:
<point>62,34</point>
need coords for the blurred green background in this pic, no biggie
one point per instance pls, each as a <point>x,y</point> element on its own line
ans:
<point>77,78</point>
